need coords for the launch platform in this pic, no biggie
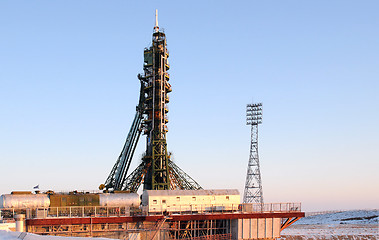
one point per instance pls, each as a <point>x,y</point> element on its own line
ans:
<point>243,221</point>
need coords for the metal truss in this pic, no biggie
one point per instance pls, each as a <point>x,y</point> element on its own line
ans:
<point>117,177</point>
<point>253,186</point>
<point>179,180</point>
<point>134,180</point>
<point>121,167</point>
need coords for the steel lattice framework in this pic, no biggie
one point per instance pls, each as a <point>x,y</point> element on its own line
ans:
<point>253,187</point>
<point>156,171</point>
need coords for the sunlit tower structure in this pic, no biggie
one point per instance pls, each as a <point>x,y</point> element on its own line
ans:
<point>156,89</point>
<point>156,171</point>
<point>253,186</point>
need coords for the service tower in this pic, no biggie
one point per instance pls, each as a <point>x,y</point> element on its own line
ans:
<point>156,170</point>
<point>156,89</point>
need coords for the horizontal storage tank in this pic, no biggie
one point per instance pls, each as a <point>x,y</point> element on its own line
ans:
<point>24,201</point>
<point>74,199</point>
<point>119,199</point>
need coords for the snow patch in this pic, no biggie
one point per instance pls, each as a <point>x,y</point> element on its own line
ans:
<point>5,235</point>
<point>357,224</point>
<point>346,217</point>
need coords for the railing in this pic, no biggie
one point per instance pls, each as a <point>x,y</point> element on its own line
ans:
<point>221,208</point>
<point>213,237</point>
<point>98,211</point>
<point>271,207</point>
<point>70,212</point>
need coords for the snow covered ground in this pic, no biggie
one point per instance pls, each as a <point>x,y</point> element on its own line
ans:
<point>345,217</point>
<point>359,224</point>
<point>6,235</point>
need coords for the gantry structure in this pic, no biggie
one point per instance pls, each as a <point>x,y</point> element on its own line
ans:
<point>156,171</point>
<point>253,186</point>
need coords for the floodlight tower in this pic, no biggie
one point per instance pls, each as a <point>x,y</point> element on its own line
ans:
<point>253,186</point>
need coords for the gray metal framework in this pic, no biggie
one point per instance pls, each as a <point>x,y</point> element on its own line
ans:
<point>253,186</point>
<point>117,178</point>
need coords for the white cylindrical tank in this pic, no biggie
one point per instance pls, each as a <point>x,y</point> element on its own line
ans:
<point>20,222</point>
<point>119,199</point>
<point>24,201</point>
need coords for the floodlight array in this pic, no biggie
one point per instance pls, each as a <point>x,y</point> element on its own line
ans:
<point>254,114</point>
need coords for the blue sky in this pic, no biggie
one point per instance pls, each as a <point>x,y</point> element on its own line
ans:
<point>69,90</point>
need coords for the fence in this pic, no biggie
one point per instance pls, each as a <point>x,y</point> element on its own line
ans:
<point>98,211</point>
<point>271,207</point>
<point>70,212</point>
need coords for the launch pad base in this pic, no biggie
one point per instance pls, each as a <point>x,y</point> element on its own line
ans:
<point>237,225</point>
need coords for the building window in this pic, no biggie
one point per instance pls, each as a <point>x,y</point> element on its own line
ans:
<point>227,198</point>
<point>163,201</point>
<point>154,201</point>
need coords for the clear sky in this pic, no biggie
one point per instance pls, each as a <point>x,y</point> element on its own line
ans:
<point>69,89</point>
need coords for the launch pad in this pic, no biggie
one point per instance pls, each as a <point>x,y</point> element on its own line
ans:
<point>204,222</point>
<point>173,205</point>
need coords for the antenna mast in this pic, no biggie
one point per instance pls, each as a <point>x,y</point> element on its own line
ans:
<point>156,27</point>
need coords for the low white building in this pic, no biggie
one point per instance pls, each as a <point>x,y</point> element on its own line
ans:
<point>190,200</point>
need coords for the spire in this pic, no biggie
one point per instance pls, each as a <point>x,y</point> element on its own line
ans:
<point>156,28</point>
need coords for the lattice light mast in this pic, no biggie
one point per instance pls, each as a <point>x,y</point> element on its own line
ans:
<point>253,186</point>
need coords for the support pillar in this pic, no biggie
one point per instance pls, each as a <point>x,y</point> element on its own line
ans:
<point>20,222</point>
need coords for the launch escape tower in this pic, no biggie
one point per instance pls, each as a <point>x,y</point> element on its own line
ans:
<point>253,186</point>
<point>157,171</point>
